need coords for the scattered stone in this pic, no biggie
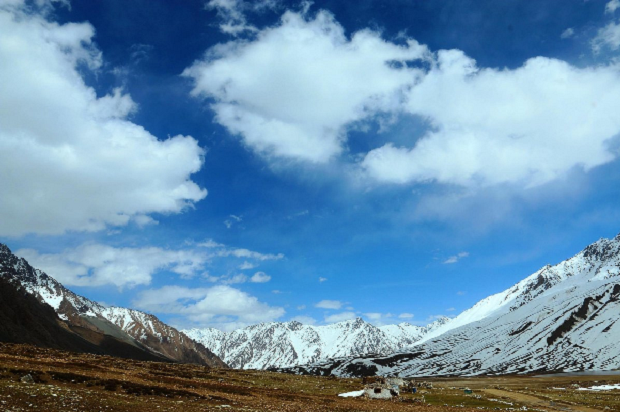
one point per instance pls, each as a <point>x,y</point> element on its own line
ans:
<point>27,379</point>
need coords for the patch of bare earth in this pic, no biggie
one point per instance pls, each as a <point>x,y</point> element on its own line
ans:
<point>65,381</point>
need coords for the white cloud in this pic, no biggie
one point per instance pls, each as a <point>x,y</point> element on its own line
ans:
<point>232,14</point>
<point>210,243</point>
<point>486,126</point>
<point>450,309</point>
<point>219,305</point>
<point>406,315</point>
<point>526,126</point>
<point>329,304</point>
<point>301,307</point>
<point>247,265</point>
<point>308,83</point>
<point>230,222</point>
<point>221,251</point>
<point>379,319</point>
<point>608,36</point>
<point>306,320</point>
<point>568,33</point>
<point>231,280</point>
<point>68,159</point>
<point>321,280</point>
<point>340,317</point>
<point>612,6</point>
<point>461,293</point>
<point>456,258</point>
<point>260,277</point>
<point>96,264</point>
<point>248,254</point>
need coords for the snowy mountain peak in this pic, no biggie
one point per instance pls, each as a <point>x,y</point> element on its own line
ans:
<point>560,318</point>
<point>598,261</point>
<point>281,344</point>
<point>144,328</point>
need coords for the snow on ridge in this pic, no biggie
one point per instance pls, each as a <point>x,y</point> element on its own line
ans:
<point>279,344</point>
<point>600,260</point>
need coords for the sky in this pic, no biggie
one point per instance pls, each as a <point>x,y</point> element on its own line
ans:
<point>221,163</point>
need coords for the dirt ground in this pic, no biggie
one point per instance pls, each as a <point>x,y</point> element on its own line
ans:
<point>64,381</point>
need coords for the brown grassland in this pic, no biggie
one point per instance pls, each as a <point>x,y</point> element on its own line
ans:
<point>65,381</point>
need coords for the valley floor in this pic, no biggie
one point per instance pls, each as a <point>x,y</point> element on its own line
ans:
<point>66,381</point>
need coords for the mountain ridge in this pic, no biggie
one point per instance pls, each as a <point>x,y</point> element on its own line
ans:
<point>561,318</point>
<point>279,344</point>
<point>80,312</point>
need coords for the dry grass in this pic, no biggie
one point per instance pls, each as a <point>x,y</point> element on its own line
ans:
<point>78,382</point>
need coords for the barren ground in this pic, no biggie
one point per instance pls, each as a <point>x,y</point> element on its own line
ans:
<point>67,381</point>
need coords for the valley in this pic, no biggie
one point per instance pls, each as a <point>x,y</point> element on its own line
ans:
<point>65,381</point>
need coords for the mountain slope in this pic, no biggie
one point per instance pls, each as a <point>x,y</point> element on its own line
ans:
<point>24,319</point>
<point>561,318</point>
<point>130,325</point>
<point>277,344</point>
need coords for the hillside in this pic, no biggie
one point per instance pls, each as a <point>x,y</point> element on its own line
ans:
<point>561,318</point>
<point>128,325</point>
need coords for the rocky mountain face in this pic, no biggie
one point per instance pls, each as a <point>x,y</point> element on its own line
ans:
<point>277,344</point>
<point>128,325</point>
<point>25,319</point>
<point>561,318</point>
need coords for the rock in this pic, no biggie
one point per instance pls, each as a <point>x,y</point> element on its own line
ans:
<point>27,379</point>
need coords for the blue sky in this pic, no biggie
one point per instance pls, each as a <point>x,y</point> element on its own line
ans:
<point>221,163</point>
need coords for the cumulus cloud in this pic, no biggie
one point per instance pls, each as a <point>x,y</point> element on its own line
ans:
<point>308,82</point>
<point>526,126</point>
<point>221,306</point>
<point>260,277</point>
<point>96,264</point>
<point>456,258</point>
<point>329,304</point>
<point>70,160</point>
<point>310,85</point>
<point>340,317</point>
<point>406,315</point>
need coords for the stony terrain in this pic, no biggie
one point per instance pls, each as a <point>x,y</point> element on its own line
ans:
<point>64,381</point>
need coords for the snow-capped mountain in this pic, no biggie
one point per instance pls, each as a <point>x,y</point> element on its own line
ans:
<point>277,344</point>
<point>122,323</point>
<point>562,318</point>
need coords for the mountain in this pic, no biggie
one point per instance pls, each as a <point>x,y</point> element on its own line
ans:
<point>136,328</point>
<point>25,319</point>
<point>277,344</point>
<point>561,318</point>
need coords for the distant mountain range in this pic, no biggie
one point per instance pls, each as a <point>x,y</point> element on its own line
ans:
<point>561,318</point>
<point>112,330</point>
<point>273,345</point>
